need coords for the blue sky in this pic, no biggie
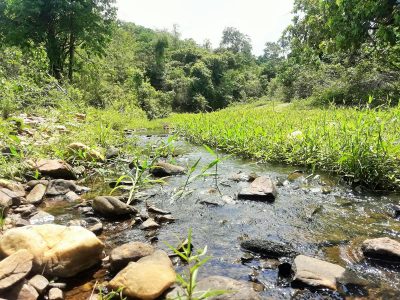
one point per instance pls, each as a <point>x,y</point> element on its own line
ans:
<point>262,20</point>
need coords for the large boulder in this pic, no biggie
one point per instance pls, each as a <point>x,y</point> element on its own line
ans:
<point>162,169</point>
<point>268,248</point>
<point>57,250</point>
<point>55,168</point>
<point>146,279</point>
<point>124,254</point>
<point>261,189</point>
<point>15,268</point>
<point>316,273</point>
<point>86,151</point>
<point>36,195</point>
<point>111,207</point>
<point>234,289</point>
<point>382,248</point>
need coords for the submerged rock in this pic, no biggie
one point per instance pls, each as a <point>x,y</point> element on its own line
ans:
<point>15,268</point>
<point>111,207</point>
<point>162,169</point>
<point>41,217</point>
<point>55,168</point>
<point>261,189</point>
<point>146,279</point>
<point>382,248</point>
<point>57,250</point>
<point>316,273</point>
<point>268,248</point>
<point>124,254</point>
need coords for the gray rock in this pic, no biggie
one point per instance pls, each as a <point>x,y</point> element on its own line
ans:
<point>40,283</point>
<point>235,290</point>
<point>382,248</point>
<point>32,183</point>
<point>261,189</point>
<point>8,198</point>
<point>111,207</point>
<point>149,224</point>
<point>157,210</point>
<point>165,219</point>
<point>124,254</point>
<point>268,248</point>
<point>14,268</point>
<point>316,273</point>
<point>162,169</point>
<point>21,291</point>
<point>41,217</point>
<point>25,210</point>
<point>37,193</point>
<point>62,187</point>
<point>56,294</point>
<point>90,223</point>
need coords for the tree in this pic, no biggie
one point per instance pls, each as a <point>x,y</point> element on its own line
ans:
<point>235,41</point>
<point>61,26</point>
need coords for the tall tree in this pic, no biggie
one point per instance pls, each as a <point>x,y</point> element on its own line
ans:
<point>235,41</point>
<point>61,26</point>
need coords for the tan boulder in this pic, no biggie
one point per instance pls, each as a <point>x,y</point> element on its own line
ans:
<point>124,254</point>
<point>57,250</point>
<point>146,279</point>
<point>55,168</point>
<point>16,187</point>
<point>36,194</point>
<point>88,152</point>
<point>382,248</point>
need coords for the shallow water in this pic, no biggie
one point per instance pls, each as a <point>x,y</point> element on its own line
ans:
<point>317,216</point>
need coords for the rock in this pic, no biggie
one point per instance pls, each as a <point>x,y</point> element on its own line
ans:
<point>55,168</point>
<point>25,210</point>
<point>56,294</point>
<point>268,248</point>
<point>157,210</point>
<point>80,116</point>
<point>133,251</point>
<point>58,250</point>
<point>21,291</point>
<point>41,217</point>
<point>88,152</point>
<point>165,219</point>
<point>32,183</point>
<point>91,223</point>
<point>162,169</point>
<point>16,187</point>
<point>235,290</point>
<point>146,279</point>
<point>110,207</point>
<point>71,197</point>
<point>261,189</point>
<point>396,211</point>
<point>112,152</point>
<point>316,273</point>
<point>58,285</point>
<point>8,198</point>
<point>37,194</point>
<point>40,283</point>
<point>63,187</point>
<point>242,177</point>
<point>149,224</point>
<point>14,268</point>
<point>382,248</point>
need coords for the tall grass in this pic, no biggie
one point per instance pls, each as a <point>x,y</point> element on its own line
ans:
<point>361,144</point>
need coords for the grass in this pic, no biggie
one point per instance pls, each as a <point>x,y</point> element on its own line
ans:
<point>363,145</point>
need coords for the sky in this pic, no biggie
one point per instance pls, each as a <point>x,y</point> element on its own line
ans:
<point>262,20</point>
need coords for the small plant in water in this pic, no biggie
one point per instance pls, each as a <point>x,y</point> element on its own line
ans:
<point>188,280</point>
<point>106,295</point>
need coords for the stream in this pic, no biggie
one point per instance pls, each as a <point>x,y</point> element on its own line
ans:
<point>315,214</point>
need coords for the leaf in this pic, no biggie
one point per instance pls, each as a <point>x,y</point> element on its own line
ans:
<point>209,150</point>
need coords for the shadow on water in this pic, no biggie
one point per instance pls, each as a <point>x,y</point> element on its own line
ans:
<point>317,216</point>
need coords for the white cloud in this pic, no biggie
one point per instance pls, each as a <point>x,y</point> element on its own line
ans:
<point>262,20</point>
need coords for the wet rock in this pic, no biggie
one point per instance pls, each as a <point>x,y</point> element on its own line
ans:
<point>111,207</point>
<point>236,290</point>
<point>149,224</point>
<point>285,270</point>
<point>396,211</point>
<point>382,248</point>
<point>165,219</point>
<point>41,217</point>
<point>162,169</point>
<point>14,268</point>
<point>268,248</point>
<point>40,283</point>
<point>36,195</point>
<point>25,210</point>
<point>58,250</point>
<point>316,273</point>
<point>91,223</point>
<point>157,210</point>
<point>8,198</point>
<point>146,279</point>
<point>56,294</point>
<point>246,257</point>
<point>133,251</point>
<point>261,189</point>
<point>144,214</point>
<point>55,168</point>
<point>88,152</point>
<point>62,187</point>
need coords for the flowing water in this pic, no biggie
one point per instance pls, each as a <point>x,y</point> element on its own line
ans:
<point>317,216</point>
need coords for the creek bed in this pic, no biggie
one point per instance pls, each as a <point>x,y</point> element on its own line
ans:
<point>317,216</point>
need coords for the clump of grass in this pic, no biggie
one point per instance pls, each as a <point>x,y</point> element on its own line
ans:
<point>362,144</point>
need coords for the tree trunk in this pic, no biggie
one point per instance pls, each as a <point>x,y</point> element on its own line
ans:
<point>71,53</point>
